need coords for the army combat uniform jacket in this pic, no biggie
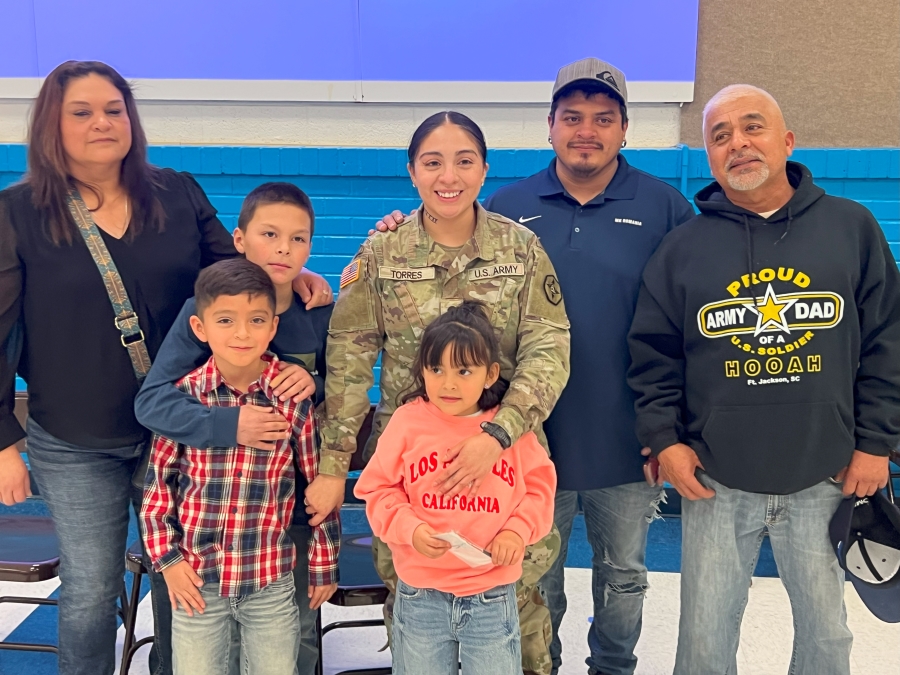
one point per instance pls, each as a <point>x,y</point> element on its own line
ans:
<point>398,283</point>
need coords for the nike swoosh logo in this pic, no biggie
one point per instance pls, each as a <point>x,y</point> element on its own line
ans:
<point>525,220</point>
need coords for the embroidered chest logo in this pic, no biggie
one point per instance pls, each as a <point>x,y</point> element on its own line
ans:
<point>775,325</point>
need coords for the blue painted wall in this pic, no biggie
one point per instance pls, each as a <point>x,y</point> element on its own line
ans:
<point>352,187</point>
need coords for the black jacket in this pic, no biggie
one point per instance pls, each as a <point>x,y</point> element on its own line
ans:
<point>56,321</point>
<point>770,346</point>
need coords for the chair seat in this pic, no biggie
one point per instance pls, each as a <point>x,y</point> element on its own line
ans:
<point>134,559</point>
<point>360,585</point>
<point>29,549</point>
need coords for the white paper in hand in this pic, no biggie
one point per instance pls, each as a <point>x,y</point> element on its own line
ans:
<point>464,549</point>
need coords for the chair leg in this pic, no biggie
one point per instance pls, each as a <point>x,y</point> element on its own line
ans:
<point>130,620</point>
<point>28,646</point>
<point>319,665</point>
<point>127,656</point>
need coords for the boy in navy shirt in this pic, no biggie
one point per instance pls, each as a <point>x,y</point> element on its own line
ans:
<point>275,229</point>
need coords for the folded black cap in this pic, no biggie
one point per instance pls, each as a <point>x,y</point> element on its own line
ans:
<point>865,534</point>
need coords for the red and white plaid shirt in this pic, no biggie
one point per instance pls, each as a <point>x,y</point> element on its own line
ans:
<point>227,510</point>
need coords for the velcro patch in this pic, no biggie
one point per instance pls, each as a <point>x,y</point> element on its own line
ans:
<point>499,270</point>
<point>350,273</point>
<point>406,273</point>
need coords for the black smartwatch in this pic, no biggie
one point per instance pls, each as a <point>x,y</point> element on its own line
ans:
<point>497,432</point>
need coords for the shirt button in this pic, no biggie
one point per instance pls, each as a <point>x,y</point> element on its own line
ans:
<point>234,509</point>
<point>240,473</point>
<point>578,229</point>
<point>230,547</point>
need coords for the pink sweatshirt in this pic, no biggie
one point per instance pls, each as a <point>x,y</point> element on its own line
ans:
<point>398,488</point>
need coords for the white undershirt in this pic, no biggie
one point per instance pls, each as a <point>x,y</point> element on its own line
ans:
<point>766,214</point>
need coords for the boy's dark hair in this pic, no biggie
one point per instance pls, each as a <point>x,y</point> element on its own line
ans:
<point>588,89</point>
<point>276,193</point>
<point>474,343</point>
<point>235,276</point>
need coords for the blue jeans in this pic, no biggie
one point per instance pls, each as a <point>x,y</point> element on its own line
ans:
<point>617,520</point>
<point>308,654</point>
<point>721,539</point>
<point>88,492</point>
<point>268,625</point>
<point>436,632</point>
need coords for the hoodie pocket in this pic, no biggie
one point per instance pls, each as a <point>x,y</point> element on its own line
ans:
<point>776,447</point>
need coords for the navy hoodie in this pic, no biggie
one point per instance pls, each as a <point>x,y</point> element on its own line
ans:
<point>770,346</point>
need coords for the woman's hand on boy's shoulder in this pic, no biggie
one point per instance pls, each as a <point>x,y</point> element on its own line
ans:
<point>507,548</point>
<point>313,289</point>
<point>293,381</point>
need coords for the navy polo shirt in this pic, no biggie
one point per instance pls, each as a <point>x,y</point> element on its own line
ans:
<point>599,250</point>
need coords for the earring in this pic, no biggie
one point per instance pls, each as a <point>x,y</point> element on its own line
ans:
<point>550,140</point>
<point>414,185</point>
<point>487,386</point>
<point>624,143</point>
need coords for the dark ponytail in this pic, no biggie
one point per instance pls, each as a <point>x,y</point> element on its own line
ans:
<point>467,329</point>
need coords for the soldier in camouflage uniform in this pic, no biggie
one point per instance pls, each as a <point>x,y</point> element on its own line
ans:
<point>399,283</point>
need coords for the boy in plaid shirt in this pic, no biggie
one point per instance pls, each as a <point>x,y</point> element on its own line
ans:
<point>215,520</point>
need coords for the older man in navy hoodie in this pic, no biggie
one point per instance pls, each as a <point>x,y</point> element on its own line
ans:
<point>766,358</point>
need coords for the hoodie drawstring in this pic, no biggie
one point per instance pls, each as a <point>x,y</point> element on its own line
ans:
<point>750,258</point>
<point>787,229</point>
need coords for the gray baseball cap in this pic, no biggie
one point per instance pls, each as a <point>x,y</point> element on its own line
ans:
<point>592,70</point>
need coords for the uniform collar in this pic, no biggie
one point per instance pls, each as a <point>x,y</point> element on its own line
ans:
<point>424,252</point>
<point>211,379</point>
<point>622,186</point>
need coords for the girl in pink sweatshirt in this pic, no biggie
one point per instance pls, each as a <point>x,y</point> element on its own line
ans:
<point>457,558</point>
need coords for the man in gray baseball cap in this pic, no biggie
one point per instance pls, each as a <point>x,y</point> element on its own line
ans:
<point>600,220</point>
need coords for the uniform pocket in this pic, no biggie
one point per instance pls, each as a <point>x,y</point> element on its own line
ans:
<point>790,443</point>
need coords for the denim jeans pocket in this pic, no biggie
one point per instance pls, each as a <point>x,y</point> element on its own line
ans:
<point>497,594</point>
<point>409,592</point>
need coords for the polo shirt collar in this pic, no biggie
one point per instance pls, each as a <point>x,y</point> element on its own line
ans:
<point>623,185</point>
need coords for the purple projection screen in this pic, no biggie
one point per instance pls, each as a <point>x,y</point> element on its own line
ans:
<point>363,50</point>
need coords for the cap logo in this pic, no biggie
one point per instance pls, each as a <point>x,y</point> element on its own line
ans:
<point>607,77</point>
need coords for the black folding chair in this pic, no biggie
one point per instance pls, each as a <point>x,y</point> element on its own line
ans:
<point>359,586</point>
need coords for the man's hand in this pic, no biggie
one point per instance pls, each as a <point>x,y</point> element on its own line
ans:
<point>507,548</point>
<point>427,544</point>
<point>293,381</point>
<point>678,464</point>
<point>261,427</point>
<point>15,485</point>
<point>389,222</point>
<point>312,289</point>
<point>324,495</point>
<point>318,595</point>
<point>470,461</point>
<point>865,475</point>
<point>184,587</point>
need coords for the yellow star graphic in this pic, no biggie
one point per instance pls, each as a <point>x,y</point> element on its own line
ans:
<point>770,312</point>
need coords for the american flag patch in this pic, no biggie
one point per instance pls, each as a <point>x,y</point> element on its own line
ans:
<point>350,273</point>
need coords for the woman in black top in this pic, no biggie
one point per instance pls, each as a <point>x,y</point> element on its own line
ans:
<point>57,329</point>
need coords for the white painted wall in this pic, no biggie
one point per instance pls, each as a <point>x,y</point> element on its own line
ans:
<point>518,125</point>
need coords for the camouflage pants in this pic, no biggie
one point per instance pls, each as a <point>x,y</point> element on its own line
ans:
<point>534,617</point>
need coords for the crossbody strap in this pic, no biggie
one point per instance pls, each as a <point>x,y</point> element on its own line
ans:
<point>126,319</point>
